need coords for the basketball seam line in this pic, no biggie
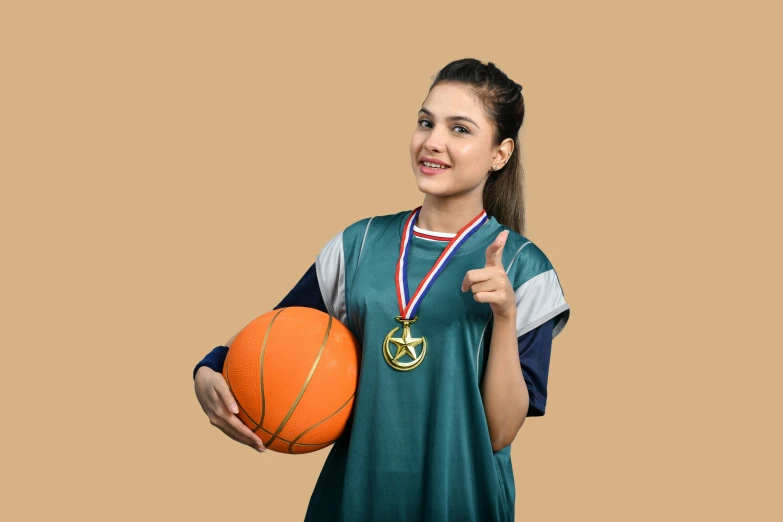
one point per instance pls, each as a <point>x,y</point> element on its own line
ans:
<point>307,381</point>
<point>293,442</point>
<point>261,366</point>
<point>259,427</point>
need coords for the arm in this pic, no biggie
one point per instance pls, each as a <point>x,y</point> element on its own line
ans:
<point>504,392</point>
<point>534,349</point>
<point>509,393</point>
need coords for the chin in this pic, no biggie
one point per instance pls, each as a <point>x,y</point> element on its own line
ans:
<point>431,189</point>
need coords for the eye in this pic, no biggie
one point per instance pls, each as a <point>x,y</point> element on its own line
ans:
<point>466,131</point>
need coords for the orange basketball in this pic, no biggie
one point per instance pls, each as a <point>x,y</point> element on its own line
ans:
<point>293,372</point>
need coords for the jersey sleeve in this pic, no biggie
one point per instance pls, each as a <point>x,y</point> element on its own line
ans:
<point>306,292</point>
<point>542,313</point>
<point>538,292</point>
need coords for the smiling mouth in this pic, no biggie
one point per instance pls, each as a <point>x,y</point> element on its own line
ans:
<point>431,165</point>
<point>432,170</point>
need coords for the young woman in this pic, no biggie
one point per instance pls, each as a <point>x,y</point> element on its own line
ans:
<point>455,311</point>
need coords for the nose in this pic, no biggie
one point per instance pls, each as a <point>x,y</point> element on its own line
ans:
<point>433,144</point>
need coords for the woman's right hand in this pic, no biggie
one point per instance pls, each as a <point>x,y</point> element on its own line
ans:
<point>219,405</point>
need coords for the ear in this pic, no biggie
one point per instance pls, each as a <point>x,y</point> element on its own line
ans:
<point>503,152</point>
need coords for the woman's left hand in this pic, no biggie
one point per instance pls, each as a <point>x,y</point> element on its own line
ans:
<point>491,284</point>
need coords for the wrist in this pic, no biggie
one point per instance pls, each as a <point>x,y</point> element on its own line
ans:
<point>203,370</point>
<point>509,318</point>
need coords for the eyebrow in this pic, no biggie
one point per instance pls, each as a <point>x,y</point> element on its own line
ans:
<point>450,118</point>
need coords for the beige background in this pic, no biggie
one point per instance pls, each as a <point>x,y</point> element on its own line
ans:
<point>170,169</point>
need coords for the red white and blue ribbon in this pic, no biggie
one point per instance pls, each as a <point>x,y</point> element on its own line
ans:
<point>410,304</point>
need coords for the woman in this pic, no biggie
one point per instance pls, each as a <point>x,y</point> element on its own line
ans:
<point>455,311</point>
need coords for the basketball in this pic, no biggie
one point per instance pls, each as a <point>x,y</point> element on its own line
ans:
<point>293,372</point>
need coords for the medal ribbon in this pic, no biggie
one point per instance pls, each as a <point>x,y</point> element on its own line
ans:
<point>409,307</point>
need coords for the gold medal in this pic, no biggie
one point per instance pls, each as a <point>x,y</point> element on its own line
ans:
<point>405,346</point>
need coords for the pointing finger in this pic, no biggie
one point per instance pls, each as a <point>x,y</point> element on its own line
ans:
<point>495,250</point>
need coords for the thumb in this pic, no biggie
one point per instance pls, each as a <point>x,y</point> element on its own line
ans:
<point>221,387</point>
<point>495,250</point>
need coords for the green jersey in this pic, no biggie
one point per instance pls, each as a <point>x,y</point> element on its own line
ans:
<point>417,444</point>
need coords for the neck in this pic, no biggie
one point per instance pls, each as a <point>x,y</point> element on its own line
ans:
<point>447,215</point>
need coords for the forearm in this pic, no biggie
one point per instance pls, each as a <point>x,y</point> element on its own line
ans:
<point>504,392</point>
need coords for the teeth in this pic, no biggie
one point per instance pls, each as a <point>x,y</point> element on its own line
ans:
<point>434,165</point>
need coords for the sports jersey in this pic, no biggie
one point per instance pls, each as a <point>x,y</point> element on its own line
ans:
<point>534,346</point>
<point>417,444</point>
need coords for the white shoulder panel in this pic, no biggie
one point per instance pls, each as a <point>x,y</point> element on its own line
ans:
<point>330,268</point>
<point>540,299</point>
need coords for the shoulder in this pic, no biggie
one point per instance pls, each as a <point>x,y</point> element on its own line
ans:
<point>540,297</point>
<point>357,232</point>
<point>523,258</point>
<point>368,227</point>
<point>383,220</point>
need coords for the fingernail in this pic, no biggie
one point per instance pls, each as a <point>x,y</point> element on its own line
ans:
<point>260,449</point>
<point>234,408</point>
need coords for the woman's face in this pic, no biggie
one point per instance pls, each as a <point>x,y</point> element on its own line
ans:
<point>453,129</point>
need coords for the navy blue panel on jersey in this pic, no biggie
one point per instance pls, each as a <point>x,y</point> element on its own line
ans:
<point>535,346</point>
<point>535,350</point>
<point>306,293</point>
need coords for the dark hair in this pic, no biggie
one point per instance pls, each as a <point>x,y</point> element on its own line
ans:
<point>504,105</point>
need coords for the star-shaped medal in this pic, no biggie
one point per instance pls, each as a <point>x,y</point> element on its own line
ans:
<point>406,345</point>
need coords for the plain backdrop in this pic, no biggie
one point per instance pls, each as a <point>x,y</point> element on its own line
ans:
<point>170,170</point>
